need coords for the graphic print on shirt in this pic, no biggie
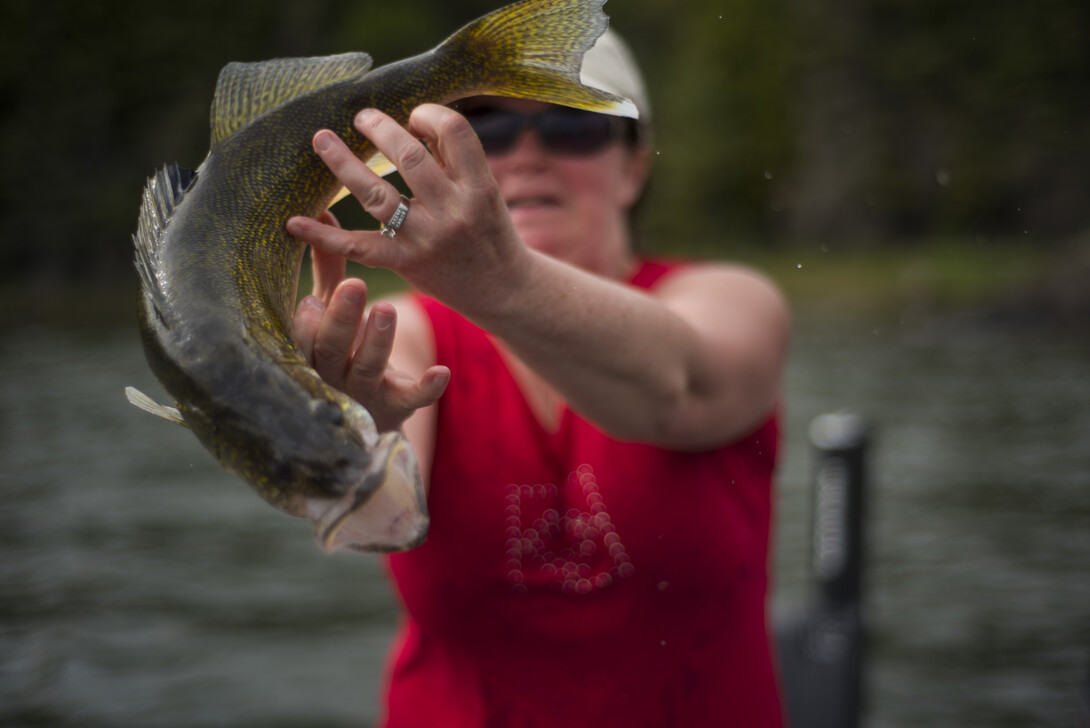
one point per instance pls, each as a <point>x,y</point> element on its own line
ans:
<point>557,544</point>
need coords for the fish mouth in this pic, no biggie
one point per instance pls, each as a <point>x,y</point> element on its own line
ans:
<point>386,512</point>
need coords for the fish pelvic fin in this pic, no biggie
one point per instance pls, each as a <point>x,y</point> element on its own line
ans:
<point>245,91</point>
<point>533,49</point>
<point>162,194</point>
<point>142,401</point>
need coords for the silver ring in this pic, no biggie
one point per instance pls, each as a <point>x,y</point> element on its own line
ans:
<point>389,230</point>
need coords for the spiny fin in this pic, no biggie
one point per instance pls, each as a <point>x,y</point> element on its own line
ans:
<point>534,50</point>
<point>164,191</point>
<point>146,403</point>
<point>245,91</point>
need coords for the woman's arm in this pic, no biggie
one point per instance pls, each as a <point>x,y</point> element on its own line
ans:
<point>694,364</point>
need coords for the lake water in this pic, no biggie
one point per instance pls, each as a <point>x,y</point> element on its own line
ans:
<point>141,586</point>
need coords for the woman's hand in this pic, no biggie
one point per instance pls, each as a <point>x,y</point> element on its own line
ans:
<point>353,354</point>
<point>457,243</point>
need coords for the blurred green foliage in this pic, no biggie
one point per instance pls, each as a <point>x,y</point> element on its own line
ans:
<point>778,122</point>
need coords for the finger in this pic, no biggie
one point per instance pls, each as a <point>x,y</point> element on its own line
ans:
<point>305,323</point>
<point>451,140</point>
<point>327,268</point>
<point>378,197</point>
<point>413,161</point>
<point>336,337</point>
<point>404,395</point>
<point>373,355</point>
<point>430,388</point>
<point>368,248</point>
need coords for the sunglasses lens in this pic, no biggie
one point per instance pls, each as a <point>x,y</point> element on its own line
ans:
<point>497,129</point>
<point>574,132</point>
<point>571,132</point>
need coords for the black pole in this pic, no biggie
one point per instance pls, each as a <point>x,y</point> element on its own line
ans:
<point>839,443</point>
<point>821,651</point>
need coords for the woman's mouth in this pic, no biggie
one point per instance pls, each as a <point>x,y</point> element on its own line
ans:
<point>532,203</point>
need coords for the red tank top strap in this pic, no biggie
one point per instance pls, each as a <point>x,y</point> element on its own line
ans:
<point>651,271</point>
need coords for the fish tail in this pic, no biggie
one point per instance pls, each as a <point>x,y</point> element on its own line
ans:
<point>534,49</point>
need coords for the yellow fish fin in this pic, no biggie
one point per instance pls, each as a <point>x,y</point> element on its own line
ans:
<point>245,91</point>
<point>146,403</point>
<point>341,194</point>
<point>379,164</point>
<point>534,50</point>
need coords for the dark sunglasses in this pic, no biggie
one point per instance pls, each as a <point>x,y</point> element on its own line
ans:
<point>562,130</point>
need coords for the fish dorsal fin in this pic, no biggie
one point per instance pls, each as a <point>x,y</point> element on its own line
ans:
<point>245,91</point>
<point>149,405</point>
<point>165,189</point>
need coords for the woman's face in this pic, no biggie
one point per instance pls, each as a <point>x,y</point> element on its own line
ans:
<point>572,207</point>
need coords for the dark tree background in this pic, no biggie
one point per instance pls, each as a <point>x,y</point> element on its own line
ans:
<point>778,122</point>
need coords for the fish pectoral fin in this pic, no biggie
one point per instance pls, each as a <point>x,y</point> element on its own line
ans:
<point>245,91</point>
<point>146,403</point>
<point>380,165</point>
<point>341,194</point>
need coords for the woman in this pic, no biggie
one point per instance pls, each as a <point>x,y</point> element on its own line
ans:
<point>599,467</point>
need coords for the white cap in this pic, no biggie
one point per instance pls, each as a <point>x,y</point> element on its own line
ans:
<point>609,65</point>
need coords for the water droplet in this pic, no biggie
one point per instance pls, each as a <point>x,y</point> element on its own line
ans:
<point>664,585</point>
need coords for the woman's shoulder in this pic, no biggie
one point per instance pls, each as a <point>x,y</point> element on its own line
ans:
<point>677,275</point>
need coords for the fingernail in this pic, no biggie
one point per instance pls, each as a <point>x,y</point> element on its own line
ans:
<point>313,302</point>
<point>383,319</point>
<point>363,115</point>
<point>352,296</point>
<point>323,141</point>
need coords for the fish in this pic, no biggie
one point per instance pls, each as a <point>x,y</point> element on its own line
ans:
<point>219,274</point>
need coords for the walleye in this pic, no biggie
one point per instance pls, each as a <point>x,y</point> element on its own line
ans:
<point>219,273</point>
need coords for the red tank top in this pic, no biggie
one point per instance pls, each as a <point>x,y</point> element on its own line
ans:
<point>570,579</point>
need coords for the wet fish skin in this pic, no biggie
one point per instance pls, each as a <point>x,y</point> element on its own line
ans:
<point>219,272</point>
